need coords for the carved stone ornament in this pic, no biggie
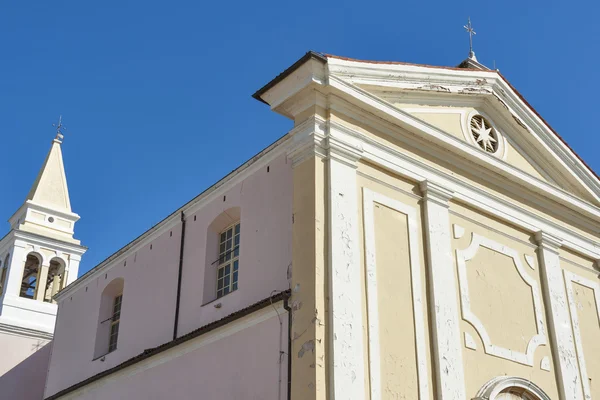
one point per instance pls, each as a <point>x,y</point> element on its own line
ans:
<point>484,134</point>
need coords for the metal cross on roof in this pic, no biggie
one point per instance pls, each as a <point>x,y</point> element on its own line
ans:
<point>472,32</point>
<point>59,128</point>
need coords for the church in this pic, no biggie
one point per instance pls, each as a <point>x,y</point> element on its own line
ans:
<point>420,233</point>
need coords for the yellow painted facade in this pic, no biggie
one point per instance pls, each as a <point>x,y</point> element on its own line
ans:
<point>471,275</point>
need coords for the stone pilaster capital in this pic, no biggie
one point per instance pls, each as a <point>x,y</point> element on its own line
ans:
<point>307,140</point>
<point>343,152</point>
<point>436,193</point>
<point>547,241</point>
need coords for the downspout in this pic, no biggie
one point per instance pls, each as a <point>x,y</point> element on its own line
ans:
<point>179,276</point>
<point>287,307</point>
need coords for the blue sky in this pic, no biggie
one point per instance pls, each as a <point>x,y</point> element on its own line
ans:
<point>156,96</point>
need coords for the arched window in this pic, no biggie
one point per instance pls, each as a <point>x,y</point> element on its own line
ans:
<point>4,273</point>
<point>511,388</point>
<point>30,277</point>
<point>229,263</point>
<point>54,282</point>
<point>222,255</point>
<point>109,319</point>
<point>515,394</point>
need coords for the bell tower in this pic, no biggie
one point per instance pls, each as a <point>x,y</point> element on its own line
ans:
<point>39,256</point>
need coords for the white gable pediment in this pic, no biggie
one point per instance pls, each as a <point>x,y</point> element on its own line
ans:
<point>438,103</point>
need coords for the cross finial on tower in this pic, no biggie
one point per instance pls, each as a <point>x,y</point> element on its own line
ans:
<point>59,128</point>
<point>472,32</point>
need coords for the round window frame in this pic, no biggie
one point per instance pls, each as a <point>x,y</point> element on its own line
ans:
<point>466,128</point>
<point>496,386</point>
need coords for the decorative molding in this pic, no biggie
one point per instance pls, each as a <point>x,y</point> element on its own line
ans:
<point>308,139</point>
<point>497,385</point>
<point>16,330</point>
<point>343,152</point>
<point>419,309</point>
<point>530,260</point>
<point>462,256</point>
<point>470,342</point>
<point>571,278</point>
<point>548,241</point>
<point>436,193</point>
<point>490,228</point>
<point>502,151</point>
<point>462,85</point>
<point>400,118</point>
<point>408,166</point>
<point>545,364</point>
<point>458,230</point>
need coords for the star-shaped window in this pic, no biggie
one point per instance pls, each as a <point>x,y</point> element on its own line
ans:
<point>484,134</point>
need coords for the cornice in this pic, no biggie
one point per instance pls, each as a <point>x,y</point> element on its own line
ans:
<point>405,164</point>
<point>40,240</point>
<point>548,242</point>
<point>341,151</point>
<point>25,332</point>
<point>436,193</point>
<point>307,140</point>
<point>422,82</point>
<point>388,111</point>
<point>70,216</point>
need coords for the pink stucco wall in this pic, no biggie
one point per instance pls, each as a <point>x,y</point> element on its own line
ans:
<point>245,365</point>
<point>149,295</point>
<point>28,359</point>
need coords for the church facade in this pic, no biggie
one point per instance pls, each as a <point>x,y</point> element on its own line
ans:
<point>420,233</point>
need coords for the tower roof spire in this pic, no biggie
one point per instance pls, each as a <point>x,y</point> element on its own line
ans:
<point>50,187</point>
<point>59,128</point>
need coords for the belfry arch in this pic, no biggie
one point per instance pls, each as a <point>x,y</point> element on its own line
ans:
<point>31,274</point>
<point>55,278</point>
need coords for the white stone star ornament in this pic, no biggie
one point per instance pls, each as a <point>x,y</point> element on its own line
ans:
<point>484,135</point>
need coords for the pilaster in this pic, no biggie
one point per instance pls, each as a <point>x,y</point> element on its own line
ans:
<point>345,272</point>
<point>560,332</point>
<point>15,271</point>
<point>40,287</point>
<point>71,269</point>
<point>448,363</point>
<point>308,279</point>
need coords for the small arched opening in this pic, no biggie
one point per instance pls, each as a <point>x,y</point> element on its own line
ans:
<point>54,281</point>
<point>109,319</point>
<point>31,272</point>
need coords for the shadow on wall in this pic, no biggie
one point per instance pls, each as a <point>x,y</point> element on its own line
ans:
<point>26,381</point>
